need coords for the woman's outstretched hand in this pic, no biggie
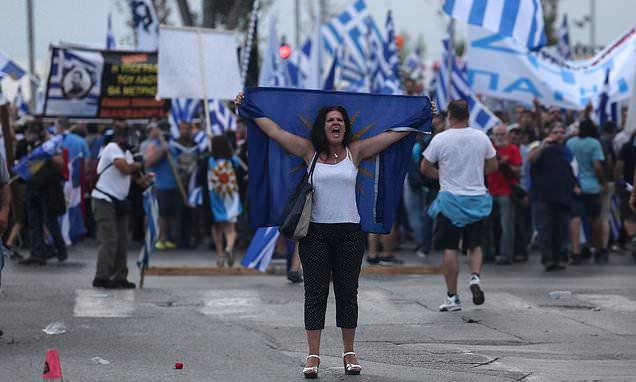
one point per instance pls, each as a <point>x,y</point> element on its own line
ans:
<point>238,100</point>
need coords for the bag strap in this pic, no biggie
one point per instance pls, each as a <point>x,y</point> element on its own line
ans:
<point>313,165</point>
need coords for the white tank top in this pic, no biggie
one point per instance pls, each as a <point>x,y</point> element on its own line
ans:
<point>335,192</point>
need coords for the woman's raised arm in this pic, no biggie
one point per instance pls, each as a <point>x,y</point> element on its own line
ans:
<point>366,148</point>
<point>292,143</point>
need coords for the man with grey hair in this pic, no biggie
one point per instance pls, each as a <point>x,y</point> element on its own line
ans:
<point>500,184</point>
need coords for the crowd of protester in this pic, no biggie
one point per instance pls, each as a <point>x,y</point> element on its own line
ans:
<point>562,187</point>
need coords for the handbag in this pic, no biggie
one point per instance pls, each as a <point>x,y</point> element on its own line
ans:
<point>297,213</point>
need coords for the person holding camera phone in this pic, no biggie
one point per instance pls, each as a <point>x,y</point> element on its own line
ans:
<point>111,207</point>
<point>553,190</point>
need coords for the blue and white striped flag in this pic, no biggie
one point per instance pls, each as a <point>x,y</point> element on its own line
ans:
<point>413,65</point>
<point>110,36</point>
<point>72,222</point>
<point>330,79</point>
<point>563,45</point>
<point>391,50</point>
<point>274,71</point>
<point>357,33</point>
<point>298,65</point>
<point>10,68</point>
<point>480,116</point>
<point>221,117</point>
<point>151,208</point>
<point>182,110</point>
<point>520,19</point>
<point>606,110</point>
<point>202,140</point>
<point>20,104</point>
<point>261,248</point>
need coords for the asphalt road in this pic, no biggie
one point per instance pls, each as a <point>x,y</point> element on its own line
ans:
<point>250,328</point>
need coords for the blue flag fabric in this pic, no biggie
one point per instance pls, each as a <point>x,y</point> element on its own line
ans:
<point>274,173</point>
<point>29,165</point>
<point>261,248</point>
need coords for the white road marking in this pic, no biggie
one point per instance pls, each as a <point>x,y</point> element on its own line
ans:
<point>230,301</point>
<point>98,304</point>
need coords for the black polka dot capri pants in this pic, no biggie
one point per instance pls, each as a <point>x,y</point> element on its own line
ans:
<point>331,252</point>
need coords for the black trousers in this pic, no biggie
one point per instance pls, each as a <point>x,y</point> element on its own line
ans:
<point>552,224</point>
<point>331,251</point>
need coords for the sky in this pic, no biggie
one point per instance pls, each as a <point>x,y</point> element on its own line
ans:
<point>84,22</point>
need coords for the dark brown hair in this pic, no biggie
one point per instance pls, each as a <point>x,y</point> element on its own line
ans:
<point>318,135</point>
<point>221,147</point>
<point>458,110</point>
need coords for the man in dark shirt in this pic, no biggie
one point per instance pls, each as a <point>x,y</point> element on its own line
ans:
<point>552,190</point>
<point>624,174</point>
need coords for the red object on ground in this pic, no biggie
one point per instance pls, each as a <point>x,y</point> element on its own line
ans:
<point>52,366</point>
<point>178,365</point>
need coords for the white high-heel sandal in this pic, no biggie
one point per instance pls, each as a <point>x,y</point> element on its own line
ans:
<point>350,368</point>
<point>311,372</point>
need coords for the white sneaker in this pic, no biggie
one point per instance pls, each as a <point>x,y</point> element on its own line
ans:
<point>421,254</point>
<point>475,288</point>
<point>452,304</point>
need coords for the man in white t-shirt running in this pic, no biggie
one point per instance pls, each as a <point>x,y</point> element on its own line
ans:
<point>462,155</point>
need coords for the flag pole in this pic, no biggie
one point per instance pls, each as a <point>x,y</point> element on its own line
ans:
<point>204,82</point>
<point>247,49</point>
<point>31,47</point>
<point>450,57</point>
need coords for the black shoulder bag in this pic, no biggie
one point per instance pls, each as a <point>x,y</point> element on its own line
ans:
<point>297,213</point>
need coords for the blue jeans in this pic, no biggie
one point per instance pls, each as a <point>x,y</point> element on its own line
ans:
<point>416,208</point>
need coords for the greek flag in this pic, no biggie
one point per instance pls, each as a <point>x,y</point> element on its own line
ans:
<point>195,192</point>
<point>413,65</point>
<point>352,77</point>
<point>72,222</point>
<point>606,110</point>
<point>520,19</point>
<point>110,36</point>
<point>201,140</point>
<point>20,104</point>
<point>563,45</point>
<point>357,33</point>
<point>314,75</point>
<point>391,51</point>
<point>182,110</point>
<point>298,65</point>
<point>221,117</point>
<point>480,116</point>
<point>273,72</point>
<point>261,248</point>
<point>145,25</point>
<point>10,68</point>
<point>151,208</point>
<point>330,80</point>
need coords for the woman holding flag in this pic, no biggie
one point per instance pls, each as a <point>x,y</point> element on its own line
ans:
<point>334,245</point>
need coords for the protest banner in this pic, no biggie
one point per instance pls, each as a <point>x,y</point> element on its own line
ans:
<point>97,84</point>
<point>501,68</point>
<point>198,63</point>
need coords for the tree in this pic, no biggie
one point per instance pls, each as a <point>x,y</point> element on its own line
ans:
<point>229,14</point>
<point>550,8</point>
